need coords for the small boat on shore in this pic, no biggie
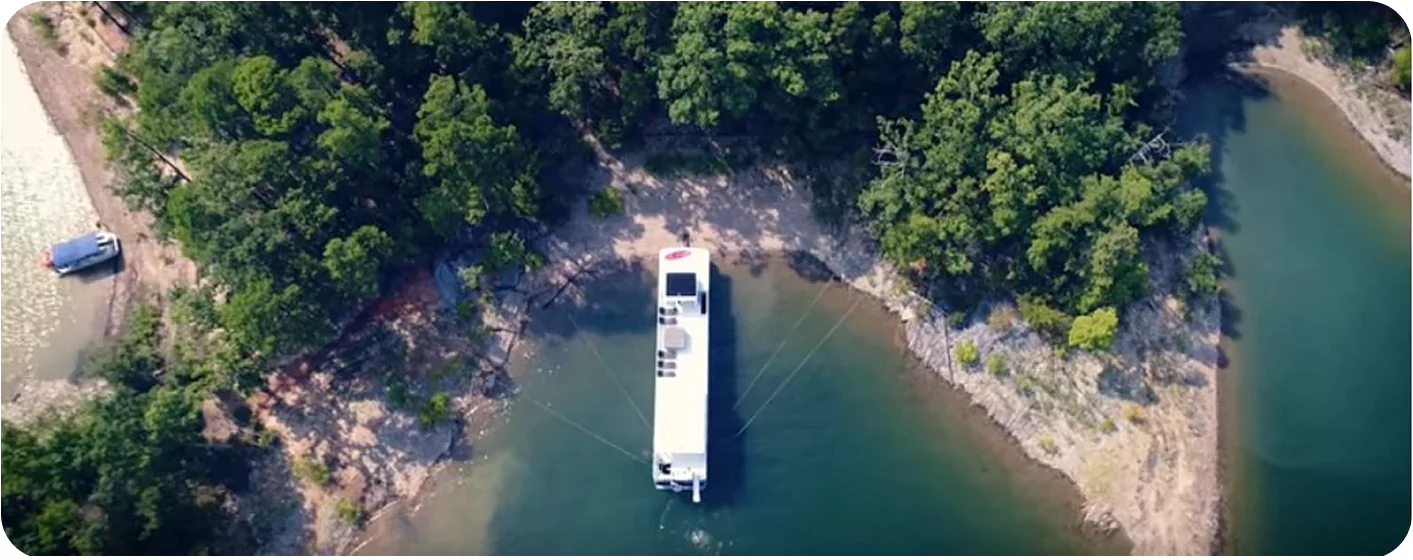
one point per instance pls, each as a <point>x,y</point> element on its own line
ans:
<point>84,251</point>
<point>680,390</point>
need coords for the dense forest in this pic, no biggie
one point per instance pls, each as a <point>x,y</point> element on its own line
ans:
<point>322,145</point>
<point>303,153</point>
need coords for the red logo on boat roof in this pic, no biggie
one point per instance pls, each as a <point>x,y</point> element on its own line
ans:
<point>678,254</point>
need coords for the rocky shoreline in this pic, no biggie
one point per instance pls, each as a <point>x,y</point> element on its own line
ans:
<point>1135,430</point>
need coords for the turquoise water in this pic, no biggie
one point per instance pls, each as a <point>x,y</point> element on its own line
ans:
<point>1316,426</point>
<point>859,454</point>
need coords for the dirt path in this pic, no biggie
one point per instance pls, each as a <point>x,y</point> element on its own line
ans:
<point>1381,117</point>
<point>64,82</point>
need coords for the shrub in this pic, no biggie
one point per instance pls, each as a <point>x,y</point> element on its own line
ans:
<point>266,438</point>
<point>1096,330</point>
<point>956,319</point>
<point>1049,321</point>
<point>1401,73</point>
<point>1002,318</point>
<point>996,365</point>
<point>1199,277</point>
<point>435,410</point>
<point>1107,426</point>
<point>112,82</point>
<point>1048,445</point>
<point>135,358</point>
<point>449,368</point>
<point>605,203</point>
<point>466,311</point>
<point>398,395</point>
<point>1025,385</point>
<point>45,26</point>
<point>1133,413</point>
<point>967,354</point>
<point>348,510</point>
<point>313,472</point>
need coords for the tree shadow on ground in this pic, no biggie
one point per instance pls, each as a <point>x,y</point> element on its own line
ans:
<point>1128,384</point>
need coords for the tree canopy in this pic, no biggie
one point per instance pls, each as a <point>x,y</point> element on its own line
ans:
<point>301,153</point>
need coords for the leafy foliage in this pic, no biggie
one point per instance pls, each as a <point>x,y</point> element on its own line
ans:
<point>1021,182</point>
<point>135,359</point>
<point>996,365</point>
<point>1401,73</point>
<point>435,409</point>
<point>967,354</point>
<point>1360,30</point>
<point>1096,330</point>
<point>1200,275</point>
<point>122,476</point>
<point>312,471</point>
<point>605,203</point>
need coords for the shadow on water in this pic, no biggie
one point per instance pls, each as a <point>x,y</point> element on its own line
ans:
<point>1216,110</point>
<point>614,305</point>
<point>810,268</point>
<point>726,458</point>
<point>100,272</point>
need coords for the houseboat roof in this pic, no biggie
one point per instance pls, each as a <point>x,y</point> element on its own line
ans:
<point>680,411</point>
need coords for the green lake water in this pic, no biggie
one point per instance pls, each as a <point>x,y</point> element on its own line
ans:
<point>1316,391</point>
<point>863,453</point>
<point>860,453</point>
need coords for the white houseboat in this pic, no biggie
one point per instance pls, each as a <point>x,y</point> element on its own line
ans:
<point>680,393</point>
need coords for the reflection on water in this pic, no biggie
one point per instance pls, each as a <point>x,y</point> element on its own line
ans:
<point>46,320</point>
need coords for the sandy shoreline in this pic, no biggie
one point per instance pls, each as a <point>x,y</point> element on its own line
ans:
<point>1380,117</point>
<point>64,83</point>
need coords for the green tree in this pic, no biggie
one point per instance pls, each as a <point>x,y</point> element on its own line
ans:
<point>480,168</point>
<point>353,137</point>
<point>728,59</point>
<point>270,321</point>
<point>929,32</point>
<point>506,251</point>
<point>353,263</point>
<point>1199,277</point>
<point>262,89</point>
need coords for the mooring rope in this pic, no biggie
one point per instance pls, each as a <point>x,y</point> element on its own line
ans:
<point>609,371</point>
<point>662,518</point>
<point>581,428</point>
<point>797,369</point>
<point>776,353</point>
